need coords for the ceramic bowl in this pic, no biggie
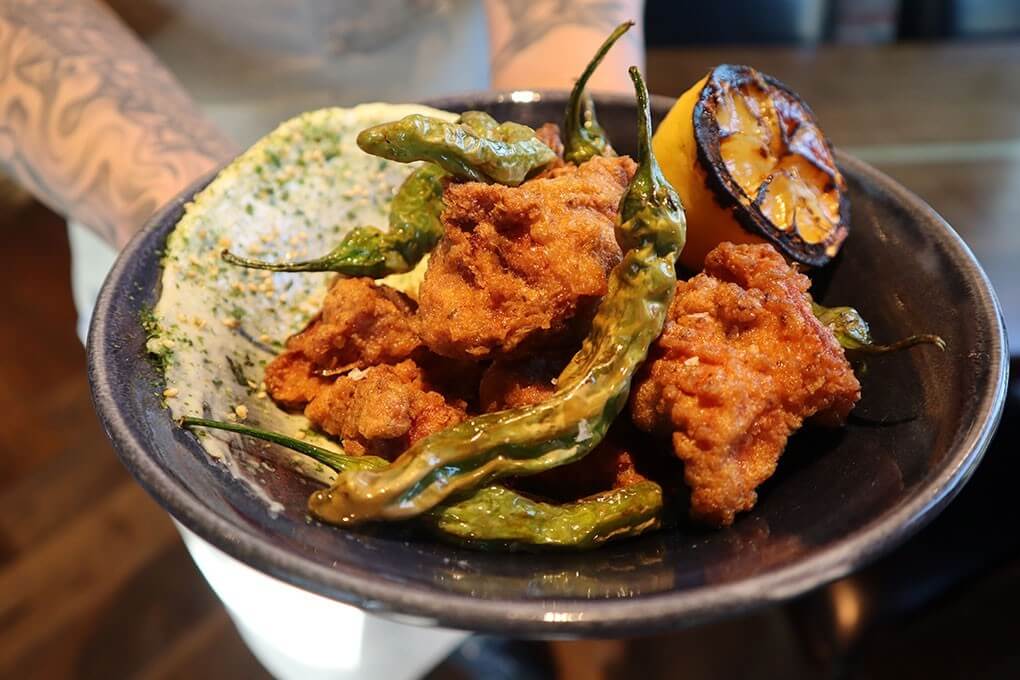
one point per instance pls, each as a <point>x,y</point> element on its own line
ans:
<point>838,500</point>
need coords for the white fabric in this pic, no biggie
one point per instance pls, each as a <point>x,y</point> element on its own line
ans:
<point>91,259</point>
<point>296,634</point>
<point>251,65</point>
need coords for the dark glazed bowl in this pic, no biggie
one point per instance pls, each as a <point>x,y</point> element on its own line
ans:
<point>838,501</point>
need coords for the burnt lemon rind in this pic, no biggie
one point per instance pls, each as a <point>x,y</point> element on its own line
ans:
<point>725,189</point>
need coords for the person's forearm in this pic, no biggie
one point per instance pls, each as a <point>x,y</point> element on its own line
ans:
<point>545,44</point>
<point>90,122</point>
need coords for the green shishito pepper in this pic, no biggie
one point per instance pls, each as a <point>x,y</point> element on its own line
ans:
<point>583,137</point>
<point>497,518</point>
<point>475,148</point>
<point>591,391</point>
<point>415,228</point>
<point>853,333</point>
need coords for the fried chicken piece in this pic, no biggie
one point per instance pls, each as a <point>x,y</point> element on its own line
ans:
<point>741,363</point>
<point>549,134</point>
<point>511,384</point>
<point>292,380</point>
<point>517,266</point>
<point>383,410</point>
<point>455,379</point>
<point>361,324</point>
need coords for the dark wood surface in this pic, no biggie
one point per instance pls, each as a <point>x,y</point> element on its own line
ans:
<point>94,582</point>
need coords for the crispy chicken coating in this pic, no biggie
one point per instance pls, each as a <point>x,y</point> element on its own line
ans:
<point>292,381</point>
<point>741,363</point>
<point>549,134</point>
<point>383,409</point>
<point>361,324</point>
<point>518,265</point>
<point>352,372</point>
<point>511,384</point>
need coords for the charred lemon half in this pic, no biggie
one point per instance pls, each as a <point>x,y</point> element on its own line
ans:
<point>747,157</point>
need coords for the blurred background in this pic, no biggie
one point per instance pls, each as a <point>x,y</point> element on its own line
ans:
<point>928,91</point>
<point>813,22</point>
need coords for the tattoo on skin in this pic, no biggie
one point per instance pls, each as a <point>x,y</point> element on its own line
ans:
<point>530,22</point>
<point>90,122</point>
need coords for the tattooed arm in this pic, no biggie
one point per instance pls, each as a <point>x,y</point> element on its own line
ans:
<point>90,121</point>
<point>546,44</point>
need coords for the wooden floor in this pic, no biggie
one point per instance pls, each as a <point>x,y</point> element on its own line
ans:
<point>94,581</point>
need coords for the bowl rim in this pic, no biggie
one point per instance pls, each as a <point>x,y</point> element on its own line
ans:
<point>417,604</point>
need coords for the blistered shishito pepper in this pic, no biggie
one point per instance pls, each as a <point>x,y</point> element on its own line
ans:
<point>480,122</point>
<point>591,391</point>
<point>473,148</point>
<point>852,331</point>
<point>497,518</point>
<point>414,230</point>
<point>583,137</point>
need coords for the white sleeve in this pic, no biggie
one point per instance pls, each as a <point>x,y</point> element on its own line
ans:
<point>91,260</point>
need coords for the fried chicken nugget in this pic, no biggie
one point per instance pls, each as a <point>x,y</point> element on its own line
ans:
<point>511,384</point>
<point>741,363</point>
<point>361,324</point>
<point>517,264</point>
<point>549,134</point>
<point>383,409</point>
<point>292,380</point>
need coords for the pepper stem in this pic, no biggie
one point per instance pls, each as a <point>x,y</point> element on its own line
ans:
<point>580,109</point>
<point>645,156</point>
<point>853,333</point>
<point>331,459</point>
<point>905,343</point>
